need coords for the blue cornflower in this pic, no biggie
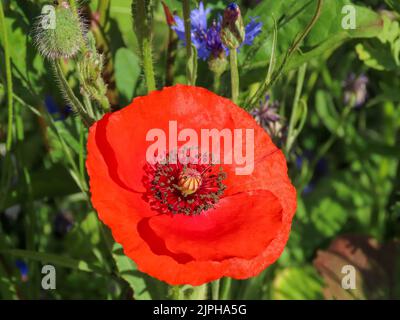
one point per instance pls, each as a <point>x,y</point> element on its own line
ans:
<point>213,41</point>
<point>253,29</point>
<point>54,110</point>
<point>23,269</point>
<point>207,40</point>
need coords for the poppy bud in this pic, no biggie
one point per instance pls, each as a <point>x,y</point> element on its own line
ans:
<point>232,31</point>
<point>58,32</point>
<point>90,68</point>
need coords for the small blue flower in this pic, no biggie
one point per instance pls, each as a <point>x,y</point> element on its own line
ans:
<point>213,40</point>
<point>198,17</point>
<point>54,110</point>
<point>23,269</point>
<point>207,40</point>
<point>253,29</point>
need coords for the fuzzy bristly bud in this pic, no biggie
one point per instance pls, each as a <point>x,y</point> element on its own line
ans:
<point>233,30</point>
<point>90,68</point>
<point>59,32</point>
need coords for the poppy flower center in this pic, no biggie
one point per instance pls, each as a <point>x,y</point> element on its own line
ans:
<point>189,181</point>
<point>183,189</point>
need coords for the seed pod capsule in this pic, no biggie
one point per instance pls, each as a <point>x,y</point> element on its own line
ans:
<point>59,32</point>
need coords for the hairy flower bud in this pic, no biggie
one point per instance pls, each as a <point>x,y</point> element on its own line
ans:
<point>90,68</point>
<point>232,32</point>
<point>59,32</point>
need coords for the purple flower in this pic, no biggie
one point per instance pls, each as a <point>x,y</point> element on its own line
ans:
<point>355,90</point>
<point>267,116</point>
<point>253,29</point>
<point>213,40</point>
<point>207,40</point>
<point>63,223</point>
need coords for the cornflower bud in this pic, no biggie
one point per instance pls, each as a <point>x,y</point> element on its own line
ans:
<point>233,31</point>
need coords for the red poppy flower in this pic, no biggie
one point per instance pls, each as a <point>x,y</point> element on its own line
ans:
<point>193,223</point>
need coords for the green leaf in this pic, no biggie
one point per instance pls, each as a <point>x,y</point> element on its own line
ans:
<point>326,35</point>
<point>394,4</point>
<point>301,283</point>
<point>143,286</point>
<point>57,260</point>
<point>127,72</point>
<point>382,53</point>
<point>327,112</point>
<point>84,237</point>
<point>7,287</point>
<point>328,217</point>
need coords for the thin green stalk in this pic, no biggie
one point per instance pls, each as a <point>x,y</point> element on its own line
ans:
<point>70,95</point>
<point>215,285</point>
<point>176,293</point>
<point>142,17</point>
<point>295,109</point>
<point>225,288</point>
<point>55,259</point>
<point>148,65</point>
<point>217,82</point>
<point>293,48</point>
<point>3,31</point>
<point>188,38</point>
<point>234,75</point>
<point>103,9</point>
<point>327,145</point>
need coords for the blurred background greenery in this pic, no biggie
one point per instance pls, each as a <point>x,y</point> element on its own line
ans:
<point>344,163</point>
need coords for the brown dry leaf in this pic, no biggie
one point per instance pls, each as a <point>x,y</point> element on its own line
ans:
<point>375,267</point>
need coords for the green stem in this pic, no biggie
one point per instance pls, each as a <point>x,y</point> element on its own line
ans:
<point>294,116</point>
<point>175,293</point>
<point>215,289</point>
<point>217,82</point>
<point>70,95</point>
<point>3,31</point>
<point>327,145</point>
<point>234,75</point>
<point>225,288</point>
<point>293,48</point>
<point>148,65</point>
<point>188,37</point>
<point>142,15</point>
<point>103,10</point>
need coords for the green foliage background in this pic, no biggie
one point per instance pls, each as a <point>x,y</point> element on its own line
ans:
<point>355,193</point>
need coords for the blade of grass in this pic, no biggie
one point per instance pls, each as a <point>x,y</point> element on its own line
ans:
<point>61,261</point>
<point>7,58</point>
